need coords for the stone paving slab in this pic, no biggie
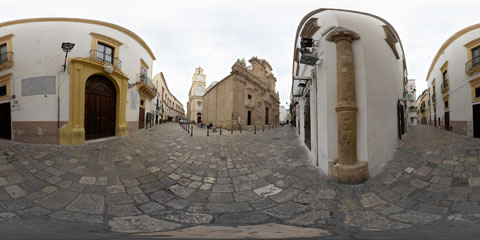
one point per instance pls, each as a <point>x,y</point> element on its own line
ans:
<point>161,176</point>
<point>263,231</point>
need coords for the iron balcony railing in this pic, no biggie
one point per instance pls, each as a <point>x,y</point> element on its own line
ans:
<point>445,84</point>
<point>144,78</point>
<point>5,57</point>
<point>474,62</point>
<point>107,58</point>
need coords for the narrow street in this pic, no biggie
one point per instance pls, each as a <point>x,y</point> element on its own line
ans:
<point>163,182</point>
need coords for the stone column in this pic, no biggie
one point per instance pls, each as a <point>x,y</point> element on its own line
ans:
<point>348,169</point>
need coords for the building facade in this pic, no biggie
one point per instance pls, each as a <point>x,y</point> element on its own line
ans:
<point>245,98</point>
<point>103,89</point>
<point>454,83</point>
<point>423,107</point>
<point>349,91</point>
<point>411,104</point>
<point>284,115</point>
<point>168,106</point>
<point>195,96</point>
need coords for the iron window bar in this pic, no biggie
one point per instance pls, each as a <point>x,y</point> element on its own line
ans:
<point>474,62</point>
<point>5,57</point>
<point>104,57</point>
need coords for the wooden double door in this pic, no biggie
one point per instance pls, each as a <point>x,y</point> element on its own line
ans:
<point>100,108</point>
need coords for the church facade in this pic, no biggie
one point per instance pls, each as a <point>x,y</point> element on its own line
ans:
<point>243,99</point>
<point>195,96</point>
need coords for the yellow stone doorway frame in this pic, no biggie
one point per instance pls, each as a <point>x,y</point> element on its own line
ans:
<point>80,70</point>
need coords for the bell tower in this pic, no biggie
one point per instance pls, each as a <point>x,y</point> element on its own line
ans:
<point>195,96</point>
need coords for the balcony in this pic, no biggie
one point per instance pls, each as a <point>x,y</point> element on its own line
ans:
<point>105,58</point>
<point>445,86</point>
<point>6,60</point>
<point>472,66</point>
<point>145,86</point>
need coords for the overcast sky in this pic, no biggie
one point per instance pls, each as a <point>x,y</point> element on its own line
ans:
<point>184,34</point>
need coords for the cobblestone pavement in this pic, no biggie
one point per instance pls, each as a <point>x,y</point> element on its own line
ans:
<point>163,179</point>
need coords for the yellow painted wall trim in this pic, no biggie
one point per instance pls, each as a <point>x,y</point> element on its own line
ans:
<point>107,39</point>
<point>5,80</point>
<point>144,64</point>
<point>89,21</point>
<point>7,39</point>
<point>80,69</point>
<point>442,70</point>
<point>448,42</point>
<point>475,83</point>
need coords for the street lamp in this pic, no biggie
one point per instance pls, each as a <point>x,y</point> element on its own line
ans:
<point>67,47</point>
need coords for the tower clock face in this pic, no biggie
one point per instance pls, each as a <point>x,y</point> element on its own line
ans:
<point>199,90</point>
<point>199,77</point>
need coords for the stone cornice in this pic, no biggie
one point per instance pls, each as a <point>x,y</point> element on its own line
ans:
<point>341,33</point>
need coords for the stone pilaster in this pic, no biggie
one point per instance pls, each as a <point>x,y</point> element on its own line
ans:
<point>348,169</point>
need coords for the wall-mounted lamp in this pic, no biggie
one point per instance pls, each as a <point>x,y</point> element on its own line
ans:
<point>67,47</point>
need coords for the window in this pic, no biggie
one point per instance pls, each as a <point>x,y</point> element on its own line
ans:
<point>391,40</point>
<point>476,57</point>
<point>5,86</point>
<point>105,53</point>
<point>6,52</point>
<point>249,97</point>
<point>445,79</point>
<point>3,91</point>
<point>105,49</point>
<point>3,53</point>
<point>144,72</point>
<point>472,64</point>
<point>446,102</point>
<point>475,85</point>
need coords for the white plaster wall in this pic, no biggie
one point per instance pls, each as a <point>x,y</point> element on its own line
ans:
<point>379,84</point>
<point>37,52</point>
<point>460,93</point>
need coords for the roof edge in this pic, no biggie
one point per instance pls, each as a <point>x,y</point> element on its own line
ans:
<point>82,20</point>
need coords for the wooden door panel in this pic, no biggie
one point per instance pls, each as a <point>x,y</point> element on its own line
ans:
<point>100,100</point>
<point>307,121</point>
<point>5,121</point>
<point>141,118</point>
<point>476,120</point>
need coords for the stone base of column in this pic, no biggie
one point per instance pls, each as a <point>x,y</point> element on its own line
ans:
<point>348,174</point>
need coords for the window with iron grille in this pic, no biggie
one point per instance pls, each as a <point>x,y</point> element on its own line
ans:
<point>445,79</point>
<point>3,53</point>
<point>3,90</point>
<point>476,56</point>
<point>105,53</point>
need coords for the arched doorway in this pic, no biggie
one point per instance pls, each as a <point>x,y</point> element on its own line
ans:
<point>100,107</point>
<point>199,117</point>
